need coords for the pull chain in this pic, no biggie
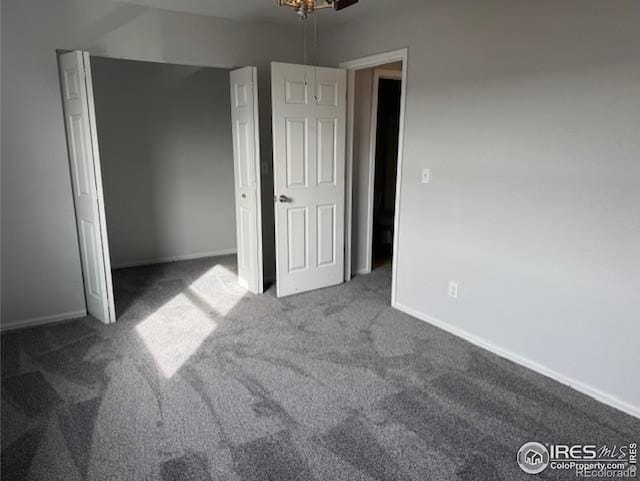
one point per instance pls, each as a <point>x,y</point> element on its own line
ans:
<point>304,39</point>
<point>317,57</point>
<point>315,39</point>
<point>316,52</point>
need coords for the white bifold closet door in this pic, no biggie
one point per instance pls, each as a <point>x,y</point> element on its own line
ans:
<point>84,158</point>
<point>246,153</point>
<point>309,112</point>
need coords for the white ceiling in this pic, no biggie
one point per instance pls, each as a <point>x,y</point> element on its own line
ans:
<point>263,10</point>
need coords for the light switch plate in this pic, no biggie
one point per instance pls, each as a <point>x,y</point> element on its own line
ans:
<point>426,176</point>
<point>453,289</point>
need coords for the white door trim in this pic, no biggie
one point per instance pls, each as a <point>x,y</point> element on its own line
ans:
<point>98,169</point>
<point>348,172</point>
<point>352,66</point>
<point>258,174</point>
<point>376,60</point>
<point>377,75</point>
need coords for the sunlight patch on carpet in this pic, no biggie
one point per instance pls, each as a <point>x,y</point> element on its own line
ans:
<point>172,335</point>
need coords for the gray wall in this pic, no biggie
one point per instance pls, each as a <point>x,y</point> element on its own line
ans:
<point>167,159</point>
<point>41,276</point>
<point>528,114</point>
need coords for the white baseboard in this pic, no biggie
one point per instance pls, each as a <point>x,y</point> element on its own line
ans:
<point>523,361</point>
<point>163,260</point>
<point>38,321</point>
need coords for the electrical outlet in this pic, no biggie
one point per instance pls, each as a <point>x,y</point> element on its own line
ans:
<point>453,289</point>
<point>426,176</point>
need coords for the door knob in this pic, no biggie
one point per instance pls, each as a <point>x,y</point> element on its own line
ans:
<point>284,198</point>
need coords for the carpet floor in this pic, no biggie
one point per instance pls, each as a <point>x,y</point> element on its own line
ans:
<point>200,380</point>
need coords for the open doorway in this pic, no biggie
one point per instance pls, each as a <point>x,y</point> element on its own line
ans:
<point>374,153</point>
<point>166,155</point>
<point>387,84</point>
<point>176,176</point>
<point>167,160</point>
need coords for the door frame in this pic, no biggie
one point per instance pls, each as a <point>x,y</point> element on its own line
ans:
<point>352,66</point>
<point>373,140</point>
<point>100,192</point>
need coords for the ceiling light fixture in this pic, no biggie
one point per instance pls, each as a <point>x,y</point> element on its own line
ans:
<point>304,8</point>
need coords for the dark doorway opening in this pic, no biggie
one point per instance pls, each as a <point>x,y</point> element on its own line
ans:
<point>386,163</point>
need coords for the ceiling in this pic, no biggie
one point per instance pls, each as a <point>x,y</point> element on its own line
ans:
<point>263,10</point>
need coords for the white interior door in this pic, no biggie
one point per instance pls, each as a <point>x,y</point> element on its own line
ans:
<point>84,158</point>
<point>309,112</point>
<point>246,154</point>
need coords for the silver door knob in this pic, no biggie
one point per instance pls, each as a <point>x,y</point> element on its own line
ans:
<point>284,198</point>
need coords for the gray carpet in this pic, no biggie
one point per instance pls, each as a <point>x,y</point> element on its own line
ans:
<point>200,380</point>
